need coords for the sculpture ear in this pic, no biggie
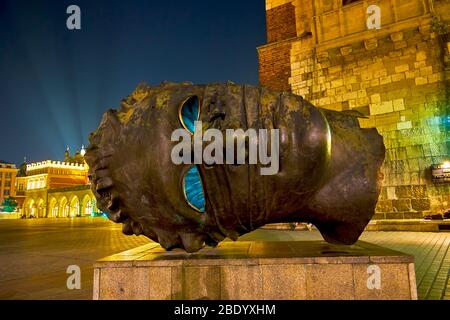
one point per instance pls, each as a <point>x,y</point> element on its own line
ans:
<point>189,112</point>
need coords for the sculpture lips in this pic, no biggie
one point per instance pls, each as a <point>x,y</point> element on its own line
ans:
<point>127,229</point>
<point>329,172</point>
<point>137,228</point>
<point>192,242</point>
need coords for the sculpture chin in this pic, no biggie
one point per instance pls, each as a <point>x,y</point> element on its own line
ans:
<point>329,169</point>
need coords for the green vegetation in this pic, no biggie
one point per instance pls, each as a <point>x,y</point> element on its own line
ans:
<point>9,205</point>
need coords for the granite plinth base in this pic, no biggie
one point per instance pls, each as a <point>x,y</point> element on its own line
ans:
<point>309,270</point>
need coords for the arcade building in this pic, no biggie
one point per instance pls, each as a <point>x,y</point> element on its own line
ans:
<point>56,189</point>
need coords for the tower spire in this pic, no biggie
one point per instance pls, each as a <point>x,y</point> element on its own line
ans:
<point>67,154</point>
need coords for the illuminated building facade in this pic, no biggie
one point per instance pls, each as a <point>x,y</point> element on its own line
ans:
<point>397,76</point>
<point>57,189</point>
<point>8,174</point>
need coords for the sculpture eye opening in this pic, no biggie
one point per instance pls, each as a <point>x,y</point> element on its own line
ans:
<point>189,113</point>
<point>193,189</point>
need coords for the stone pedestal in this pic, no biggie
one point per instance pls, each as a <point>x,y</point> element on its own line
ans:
<point>257,270</point>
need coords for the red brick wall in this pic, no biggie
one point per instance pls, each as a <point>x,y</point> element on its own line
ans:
<point>275,66</point>
<point>281,23</point>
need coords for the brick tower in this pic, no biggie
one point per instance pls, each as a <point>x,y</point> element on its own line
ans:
<point>397,75</point>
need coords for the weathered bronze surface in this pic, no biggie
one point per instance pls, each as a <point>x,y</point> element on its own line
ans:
<point>329,167</point>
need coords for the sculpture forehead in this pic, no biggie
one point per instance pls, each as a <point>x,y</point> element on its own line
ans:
<point>168,93</point>
<point>231,97</point>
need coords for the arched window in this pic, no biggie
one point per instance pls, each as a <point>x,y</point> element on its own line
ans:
<point>55,211</point>
<point>88,208</point>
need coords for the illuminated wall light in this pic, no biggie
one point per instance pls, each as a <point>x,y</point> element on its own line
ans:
<point>441,172</point>
<point>445,165</point>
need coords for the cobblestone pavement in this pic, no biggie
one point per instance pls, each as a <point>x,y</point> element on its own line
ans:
<point>34,255</point>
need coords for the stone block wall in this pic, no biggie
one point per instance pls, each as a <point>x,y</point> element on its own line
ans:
<point>399,78</point>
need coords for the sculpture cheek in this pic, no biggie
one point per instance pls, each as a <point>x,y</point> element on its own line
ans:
<point>285,139</point>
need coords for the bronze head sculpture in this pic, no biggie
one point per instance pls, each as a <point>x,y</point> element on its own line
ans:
<point>328,172</point>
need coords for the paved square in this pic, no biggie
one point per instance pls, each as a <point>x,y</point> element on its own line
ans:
<point>35,254</point>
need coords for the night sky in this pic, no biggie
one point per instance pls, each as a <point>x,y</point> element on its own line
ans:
<point>55,84</point>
